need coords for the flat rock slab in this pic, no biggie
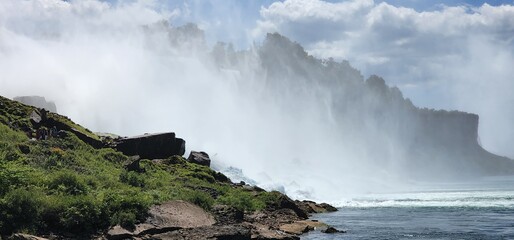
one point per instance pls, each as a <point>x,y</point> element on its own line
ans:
<point>179,214</point>
<point>314,224</point>
<point>167,217</point>
<point>263,232</point>
<point>226,232</point>
<point>22,236</point>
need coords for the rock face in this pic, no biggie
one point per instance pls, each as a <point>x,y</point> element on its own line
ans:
<point>201,158</point>
<point>151,146</point>
<point>37,101</point>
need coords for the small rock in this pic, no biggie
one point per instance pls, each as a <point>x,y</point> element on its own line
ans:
<point>201,158</point>
<point>332,230</point>
<point>25,149</point>
<point>35,118</point>
<point>117,233</point>
<point>134,165</point>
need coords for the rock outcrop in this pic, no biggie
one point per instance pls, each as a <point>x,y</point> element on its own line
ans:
<point>313,207</point>
<point>151,146</point>
<point>37,101</point>
<point>284,202</point>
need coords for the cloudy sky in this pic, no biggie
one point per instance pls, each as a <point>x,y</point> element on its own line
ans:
<point>452,54</point>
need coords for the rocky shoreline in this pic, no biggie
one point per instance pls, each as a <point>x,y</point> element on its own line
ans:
<point>183,220</point>
<point>285,220</point>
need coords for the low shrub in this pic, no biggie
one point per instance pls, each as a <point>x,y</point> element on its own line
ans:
<point>21,210</point>
<point>241,200</point>
<point>68,183</point>
<point>198,198</point>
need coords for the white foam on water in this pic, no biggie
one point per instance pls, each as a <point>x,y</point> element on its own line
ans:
<point>478,199</point>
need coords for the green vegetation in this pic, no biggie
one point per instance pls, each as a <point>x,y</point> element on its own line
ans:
<point>63,185</point>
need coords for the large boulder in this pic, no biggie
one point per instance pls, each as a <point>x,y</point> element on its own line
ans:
<point>201,158</point>
<point>37,101</point>
<point>152,146</point>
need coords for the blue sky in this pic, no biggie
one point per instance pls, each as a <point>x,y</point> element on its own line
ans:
<point>230,19</point>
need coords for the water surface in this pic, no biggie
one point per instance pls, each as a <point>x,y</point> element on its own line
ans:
<point>477,210</point>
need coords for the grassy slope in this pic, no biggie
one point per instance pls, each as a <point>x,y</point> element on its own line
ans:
<point>63,185</point>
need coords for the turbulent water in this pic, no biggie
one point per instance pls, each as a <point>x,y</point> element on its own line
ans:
<point>479,210</point>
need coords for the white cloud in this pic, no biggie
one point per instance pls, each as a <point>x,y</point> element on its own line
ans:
<point>428,49</point>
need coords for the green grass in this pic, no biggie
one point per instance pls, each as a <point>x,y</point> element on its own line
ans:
<point>63,185</point>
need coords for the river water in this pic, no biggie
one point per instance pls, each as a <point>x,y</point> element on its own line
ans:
<point>473,210</point>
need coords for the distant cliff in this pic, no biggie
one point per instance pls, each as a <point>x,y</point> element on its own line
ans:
<point>37,101</point>
<point>419,143</point>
